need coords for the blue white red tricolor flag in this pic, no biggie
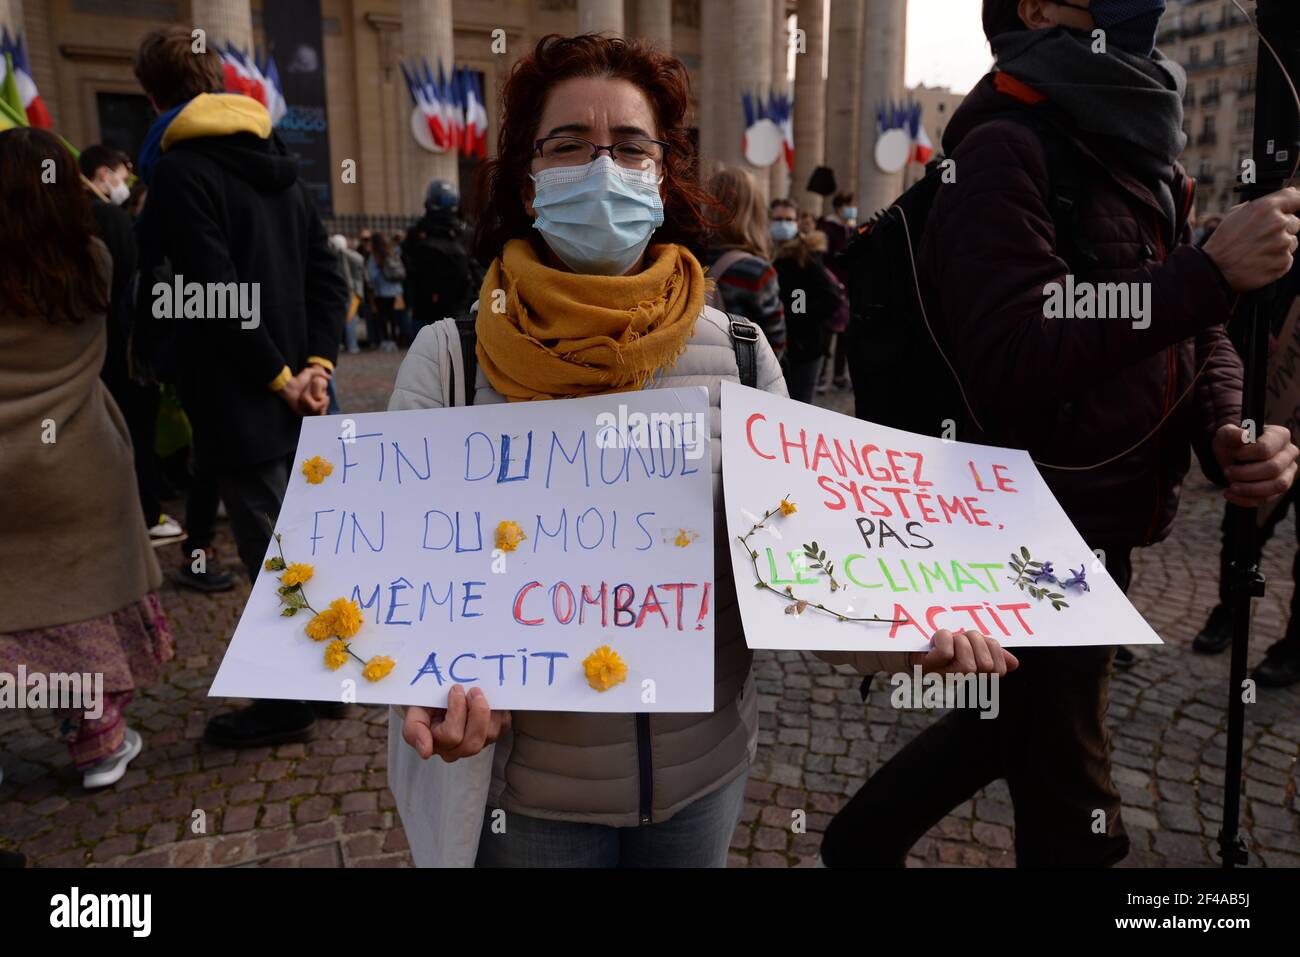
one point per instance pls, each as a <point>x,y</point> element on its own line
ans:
<point>254,77</point>
<point>761,114</point>
<point>908,117</point>
<point>449,109</point>
<point>16,48</point>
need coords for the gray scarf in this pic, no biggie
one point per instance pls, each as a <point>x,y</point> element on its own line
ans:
<point>1134,99</point>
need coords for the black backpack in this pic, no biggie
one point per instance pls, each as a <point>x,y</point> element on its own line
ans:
<point>900,376</point>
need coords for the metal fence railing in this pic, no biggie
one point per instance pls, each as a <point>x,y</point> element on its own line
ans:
<point>351,224</point>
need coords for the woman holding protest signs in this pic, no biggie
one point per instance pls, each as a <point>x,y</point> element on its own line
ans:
<point>593,160</point>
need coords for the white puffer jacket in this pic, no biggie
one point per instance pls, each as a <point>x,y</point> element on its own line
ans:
<point>591,767</point>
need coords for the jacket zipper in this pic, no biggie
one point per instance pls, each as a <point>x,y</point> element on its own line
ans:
<point>645,766</point>
<point>1170,376</point>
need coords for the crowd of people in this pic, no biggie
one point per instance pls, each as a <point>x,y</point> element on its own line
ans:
<point>652,300</point>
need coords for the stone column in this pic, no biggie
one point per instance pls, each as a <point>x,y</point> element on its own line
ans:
<point>843,91</point>
<point>11,15</point>
<point>225,21</point>
<point>809,104</point>
<point>426,32</point>
<point>715,79</point>
<point>600,16</point>
<point>778,177</point>
<point>751,66</point>
<point>884,41</point>
<point>654,22</point>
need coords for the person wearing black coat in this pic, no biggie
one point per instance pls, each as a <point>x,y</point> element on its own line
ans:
<point>106,171</point>
<point>227,211</point>
<point>810,296</point>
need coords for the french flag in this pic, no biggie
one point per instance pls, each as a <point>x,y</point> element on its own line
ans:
<point>922,148</point>
<point>428,100</point>
<point>476,118</point>
<point>241,76</point>
<point>256,78</point>
<point>37,114</point>
<point>276,104</point>
<point>781,111</point>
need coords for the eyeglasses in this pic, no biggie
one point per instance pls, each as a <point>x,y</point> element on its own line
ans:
<point>575,151</point>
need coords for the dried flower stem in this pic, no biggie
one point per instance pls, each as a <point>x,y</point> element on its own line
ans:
<point>788,595</point>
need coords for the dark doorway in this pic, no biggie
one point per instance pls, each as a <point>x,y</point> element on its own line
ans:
<point>124,119</point>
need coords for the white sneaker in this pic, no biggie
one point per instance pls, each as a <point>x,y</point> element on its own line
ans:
<point>167,530</point>
<point>112,768</point>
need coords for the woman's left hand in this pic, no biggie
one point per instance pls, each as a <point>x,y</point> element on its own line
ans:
<point>963,653</point>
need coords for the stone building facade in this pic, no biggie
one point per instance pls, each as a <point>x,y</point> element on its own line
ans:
<point>848,57</point>
<point>1217,46</point>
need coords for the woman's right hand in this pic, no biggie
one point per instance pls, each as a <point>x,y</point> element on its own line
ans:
<point>460,730</point>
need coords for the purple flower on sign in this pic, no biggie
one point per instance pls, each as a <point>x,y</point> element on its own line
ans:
<point>1076,578</point>
<point>1045,573</point>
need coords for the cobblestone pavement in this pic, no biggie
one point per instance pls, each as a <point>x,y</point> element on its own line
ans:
<point>326,802</point>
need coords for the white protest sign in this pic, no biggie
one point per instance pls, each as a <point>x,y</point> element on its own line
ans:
<point>918,531</point>
<point>611,548</point>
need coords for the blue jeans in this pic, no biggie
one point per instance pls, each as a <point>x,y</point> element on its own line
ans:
<point>696,836</point>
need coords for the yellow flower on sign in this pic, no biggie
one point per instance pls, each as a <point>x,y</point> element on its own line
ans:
<point>336,655</point>
<point>378,667</point>
<point>604,668</point>
<point>787,507</point>
<point>321,626</point>
<point>297,574</point>
<point>683,538</point>
<point>316,469</point>
<point>509,535</point>
<point>347,617</point>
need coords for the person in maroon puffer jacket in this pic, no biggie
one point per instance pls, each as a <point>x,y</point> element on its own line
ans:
<point>1109,408</point>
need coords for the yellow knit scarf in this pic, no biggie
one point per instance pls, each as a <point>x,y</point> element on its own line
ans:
<point>563,334</point>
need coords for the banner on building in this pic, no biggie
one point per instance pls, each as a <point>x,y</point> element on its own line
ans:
<point>293,36</point>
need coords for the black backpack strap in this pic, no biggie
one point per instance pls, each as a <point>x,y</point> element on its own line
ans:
<point>465,327</point>
<point>744,339</point>
<point>1068,187</point>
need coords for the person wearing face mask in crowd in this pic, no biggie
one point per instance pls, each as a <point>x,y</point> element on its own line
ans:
<point>586,217</point>
<point>839,225</point>
<point>737,255</point>
<point>1110,408</point>
<point>813,299</point>
<point>107,173</point>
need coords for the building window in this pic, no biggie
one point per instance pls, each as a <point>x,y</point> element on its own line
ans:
<point>124,119</point>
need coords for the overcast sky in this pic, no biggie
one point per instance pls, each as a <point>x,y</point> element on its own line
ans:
<point>945,44</point>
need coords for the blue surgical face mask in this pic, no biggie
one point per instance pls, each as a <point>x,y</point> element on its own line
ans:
<point>598,217</point>
<point>848,212</point>
<point>1130,25</point>
<point>784,230</point>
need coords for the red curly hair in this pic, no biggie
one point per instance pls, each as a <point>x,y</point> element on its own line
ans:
<point>501,182</point>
